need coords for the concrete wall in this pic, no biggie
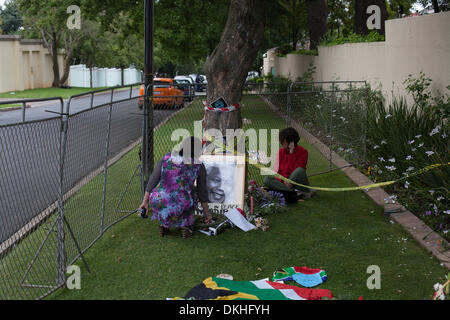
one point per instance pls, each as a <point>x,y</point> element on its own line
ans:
<point>412,45</point>
<point>25,64</point>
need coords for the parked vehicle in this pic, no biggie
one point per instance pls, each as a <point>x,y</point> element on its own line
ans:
<point>165,93</point>
<point>200,81</point>
<point>186,83</point>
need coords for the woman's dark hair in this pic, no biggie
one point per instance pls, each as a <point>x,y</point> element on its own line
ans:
<point>192,145</point>
<point>290,135</point>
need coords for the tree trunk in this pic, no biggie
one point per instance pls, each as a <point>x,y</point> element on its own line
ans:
<point>435,6</point>
<point>54,54</point>
<point>317,20</point>
<point>227,66</point>
<point>361,15</point>
<point>66,69</point>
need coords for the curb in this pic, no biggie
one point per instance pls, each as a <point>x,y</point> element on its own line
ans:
<point>424,235</point>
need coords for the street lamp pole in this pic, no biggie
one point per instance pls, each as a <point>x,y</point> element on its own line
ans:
<point>147,139</point>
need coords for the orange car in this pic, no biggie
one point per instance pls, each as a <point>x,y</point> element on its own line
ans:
<point>165,93</point>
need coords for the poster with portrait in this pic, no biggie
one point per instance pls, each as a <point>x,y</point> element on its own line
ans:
<point>225,181</point>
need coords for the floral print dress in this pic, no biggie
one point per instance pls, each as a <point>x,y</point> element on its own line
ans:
<point>173,202</point>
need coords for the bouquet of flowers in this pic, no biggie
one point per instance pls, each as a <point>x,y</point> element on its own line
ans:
<point>262,202</point>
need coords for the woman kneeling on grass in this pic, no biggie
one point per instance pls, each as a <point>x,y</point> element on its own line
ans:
<point>174,201</point>
<point>290,163</point>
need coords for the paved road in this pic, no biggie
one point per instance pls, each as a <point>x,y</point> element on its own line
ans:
<point>38,109</point>
<point>29,167</point>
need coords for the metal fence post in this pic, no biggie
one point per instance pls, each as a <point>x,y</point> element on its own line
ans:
<point>105,165</point>
<point>23,111</point>
<point>92,100</point>
<point>147,134</point>
<point>331,124</point>
<point>365,122</point>
<point>288,104</point>
<point>60,248</point>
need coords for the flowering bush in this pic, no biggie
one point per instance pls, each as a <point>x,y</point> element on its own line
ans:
<point>403,139</point>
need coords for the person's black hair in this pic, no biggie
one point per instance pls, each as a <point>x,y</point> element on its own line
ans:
<point>290,135</point>
<point>194,145</point>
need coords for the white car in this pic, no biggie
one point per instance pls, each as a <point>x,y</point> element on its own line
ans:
<point>187,84</point>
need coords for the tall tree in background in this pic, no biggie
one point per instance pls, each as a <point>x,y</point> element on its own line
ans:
<point>361,15</point>
<point>48,20</point>
<point>294,20</point>
<point>438,5</point>
<point>226,68</point>
<point>339,17</point>
<point>317,20</point>
<point>11,17</point>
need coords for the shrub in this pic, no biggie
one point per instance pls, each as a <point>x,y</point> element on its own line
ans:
<point>373,36</point>
<point>403,139</point>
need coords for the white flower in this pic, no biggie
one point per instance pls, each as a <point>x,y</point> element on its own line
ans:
<point>447,211</point>
<point>392,160</point>
<point>381,159</point>
<point>420,145</point>
<point>408,158</point>
<point>440,198</point>
<point>318,106</point>
<point>444,135</point>
<point>435,131</point>
<point>413,149</point>
<point>431,191</point>
<point>376,147</point>
<point>383,142</point>
<point>410,169</point>
<point>445,231</point>
<point>392,197</point>
<point>429,153</point>
<point>406,184</point>
<point>418,136</point>
<point>387,116</point>
<point>410,141</point>
<point>390,168</point>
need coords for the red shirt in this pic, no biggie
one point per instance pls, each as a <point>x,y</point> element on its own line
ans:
<point>288,162</point>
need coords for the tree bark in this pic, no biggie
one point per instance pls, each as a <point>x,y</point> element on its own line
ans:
<point>435,6</point>
<point>54,54</point>
<point>66,69</point>
<point>317,21</point>
<point>361,15</point>
<point>227,67</point>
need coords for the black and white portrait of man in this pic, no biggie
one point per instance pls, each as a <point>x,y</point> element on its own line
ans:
<point>220,182</point>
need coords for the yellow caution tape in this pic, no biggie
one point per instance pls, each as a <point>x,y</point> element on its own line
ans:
<point>374,185</point>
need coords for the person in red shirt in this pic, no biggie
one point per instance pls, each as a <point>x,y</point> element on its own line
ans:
<point>291,163</point>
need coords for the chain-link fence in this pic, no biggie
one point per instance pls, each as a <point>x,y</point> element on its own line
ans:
<point>65,179</point>
<point>69,177</point>
<point>330,114</point>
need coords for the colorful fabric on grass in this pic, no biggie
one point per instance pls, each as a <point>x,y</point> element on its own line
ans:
<point>214,288</point>
<point>304,276</point>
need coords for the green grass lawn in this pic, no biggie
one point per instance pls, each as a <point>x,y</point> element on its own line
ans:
<point>48,92</point>
<point>10,105</point>
<point>341,232</point>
